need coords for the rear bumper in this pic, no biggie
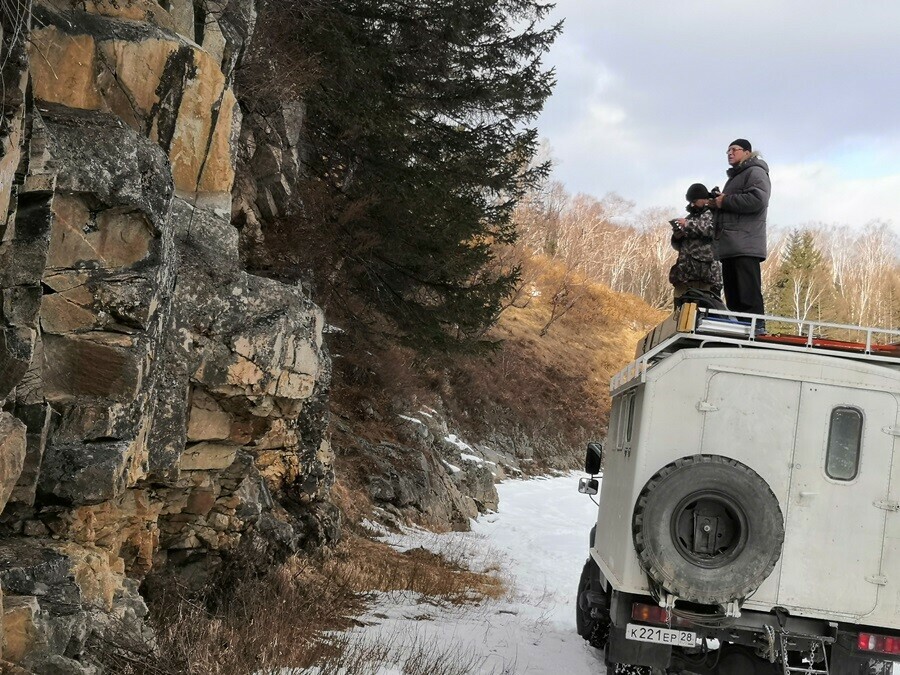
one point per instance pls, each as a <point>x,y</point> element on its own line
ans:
<point>757,631</point>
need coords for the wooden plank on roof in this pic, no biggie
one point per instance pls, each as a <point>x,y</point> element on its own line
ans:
<point>682,320</point>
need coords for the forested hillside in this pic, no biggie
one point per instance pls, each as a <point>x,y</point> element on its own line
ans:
<point>822,271</point>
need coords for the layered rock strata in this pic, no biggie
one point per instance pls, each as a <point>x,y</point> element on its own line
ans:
<point>161,407</point>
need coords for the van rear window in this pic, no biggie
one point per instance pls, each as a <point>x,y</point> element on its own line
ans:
<point>844,436</point>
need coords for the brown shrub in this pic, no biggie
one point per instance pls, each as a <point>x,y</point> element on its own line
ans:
<point>262,624</point>
<point>276,67</point>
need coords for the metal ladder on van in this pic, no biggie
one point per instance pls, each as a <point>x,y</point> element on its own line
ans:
<point>816,647</point>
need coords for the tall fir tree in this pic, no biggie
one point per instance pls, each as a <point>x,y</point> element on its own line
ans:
<point>802,285</point>
<point>419,146</point>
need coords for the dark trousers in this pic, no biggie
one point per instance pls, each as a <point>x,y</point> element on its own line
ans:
<point>743,284</point>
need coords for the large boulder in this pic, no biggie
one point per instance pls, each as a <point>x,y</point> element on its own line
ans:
<point>55,594</point>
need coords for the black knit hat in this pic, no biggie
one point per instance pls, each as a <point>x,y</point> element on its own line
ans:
<point>742,143</point>
<point>697,191</point>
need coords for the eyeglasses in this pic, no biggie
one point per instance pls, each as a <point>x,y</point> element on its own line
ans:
<point>734,148</point>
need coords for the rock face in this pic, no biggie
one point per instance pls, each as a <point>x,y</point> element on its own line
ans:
<point>161,407</point>
<point>428,477</point>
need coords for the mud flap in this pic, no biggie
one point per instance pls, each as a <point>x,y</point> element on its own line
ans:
<point>632,652</point>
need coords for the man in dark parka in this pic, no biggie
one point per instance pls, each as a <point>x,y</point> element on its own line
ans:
<point>741,227</point>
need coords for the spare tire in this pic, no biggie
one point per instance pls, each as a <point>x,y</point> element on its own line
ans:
<point>708,529</point>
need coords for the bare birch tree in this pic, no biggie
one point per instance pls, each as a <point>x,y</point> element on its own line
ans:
<point>855,279</point>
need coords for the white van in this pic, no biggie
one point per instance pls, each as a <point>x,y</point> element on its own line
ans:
<point>749,519</point>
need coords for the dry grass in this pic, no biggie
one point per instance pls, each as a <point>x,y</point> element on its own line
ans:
<point>412,655</point>
<point>553,388</point>
<point>377,567</point>
<point>549,392</point>
<point>354,504</point>
<point>262,624</point>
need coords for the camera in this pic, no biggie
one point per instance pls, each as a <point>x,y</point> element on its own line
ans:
<point>674,224</point>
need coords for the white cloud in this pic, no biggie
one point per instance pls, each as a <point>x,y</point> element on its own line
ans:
<point>819,193</point>
<point>809,193</point>
<point>651,93</point>
<point>606,115</point>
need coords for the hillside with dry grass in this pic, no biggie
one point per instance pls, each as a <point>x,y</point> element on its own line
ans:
<point>551,381</point>
<point>539,393</point>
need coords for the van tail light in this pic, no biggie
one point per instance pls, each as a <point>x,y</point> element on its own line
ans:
<point>883,644</point>
<point>655,614</point>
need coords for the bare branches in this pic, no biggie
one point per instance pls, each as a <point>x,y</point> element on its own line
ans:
<point>840,273</point>
<point>836,272</point>
<point>599,240</point>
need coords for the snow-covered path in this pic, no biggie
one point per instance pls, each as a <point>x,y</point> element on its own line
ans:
<point>539,538</point>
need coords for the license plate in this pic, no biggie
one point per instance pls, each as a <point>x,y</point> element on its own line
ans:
<point>662,636</point>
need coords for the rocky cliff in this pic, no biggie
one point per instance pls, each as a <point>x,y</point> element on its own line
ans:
<point>161,407</point>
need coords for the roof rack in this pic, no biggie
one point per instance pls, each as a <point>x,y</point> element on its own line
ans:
<point>691,327</point>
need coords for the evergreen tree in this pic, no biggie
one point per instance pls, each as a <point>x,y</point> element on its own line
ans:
<point>417,132</point>
<point>802,281</point>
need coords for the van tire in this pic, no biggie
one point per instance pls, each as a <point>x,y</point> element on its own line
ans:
<point>594,629</point>
<point>584,624</point>
<point>708,529</point>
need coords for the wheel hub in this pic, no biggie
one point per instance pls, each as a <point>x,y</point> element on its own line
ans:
<point>709,529</point>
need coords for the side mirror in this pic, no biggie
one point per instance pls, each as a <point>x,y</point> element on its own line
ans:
<point>593,458</point>
<point>588,486</point>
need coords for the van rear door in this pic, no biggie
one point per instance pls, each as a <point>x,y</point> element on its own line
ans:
<point>834,530</point>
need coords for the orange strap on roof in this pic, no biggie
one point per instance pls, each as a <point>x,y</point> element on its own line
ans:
<point>824,343</point>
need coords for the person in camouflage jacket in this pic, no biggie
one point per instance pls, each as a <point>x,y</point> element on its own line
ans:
<point>696,265</point>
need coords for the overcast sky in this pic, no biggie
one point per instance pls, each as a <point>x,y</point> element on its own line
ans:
<point>651,93</point>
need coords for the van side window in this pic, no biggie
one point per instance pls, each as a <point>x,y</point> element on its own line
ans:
<point>614,426</point>
<point>620,422</point>
<point>844,436</point>
<point>629,424</point>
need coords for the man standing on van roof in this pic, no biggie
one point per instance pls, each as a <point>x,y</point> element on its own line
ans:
<point>741,227</point>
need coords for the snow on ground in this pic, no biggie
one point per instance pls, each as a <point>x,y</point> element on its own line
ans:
<point>453,468</point>
<point>411,419</point>
<point>476,459</point>
<point>457,441</point>
<point>539,539</point>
